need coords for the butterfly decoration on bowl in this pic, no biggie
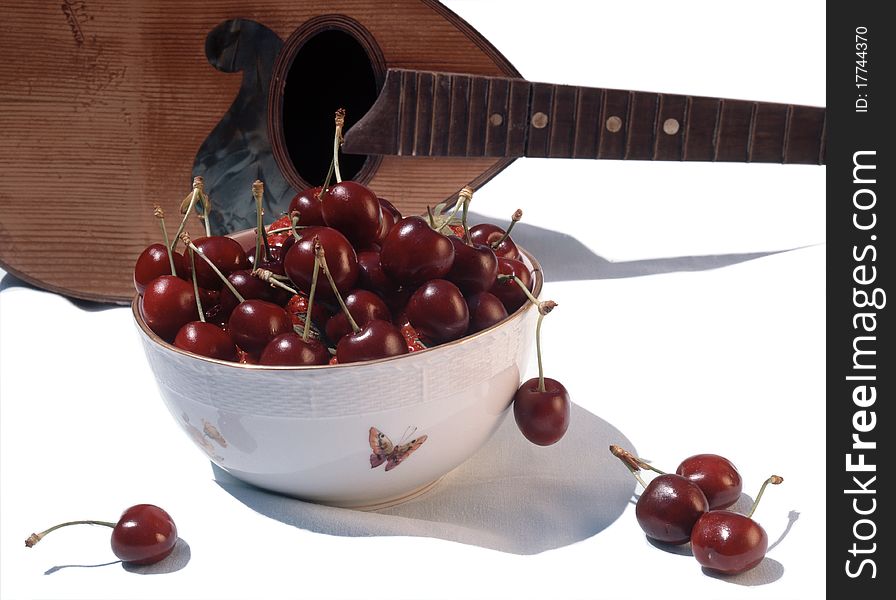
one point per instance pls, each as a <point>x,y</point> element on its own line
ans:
<point>385,451</point>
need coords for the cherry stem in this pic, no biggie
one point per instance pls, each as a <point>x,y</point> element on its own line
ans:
<point>285,229</point>
<point>630,461</point>
<point>196,286</point>
<point>541,387</point>
<point>36,537</point>
<point>532,298</point>
<point>271,279</point>
<point>294,217</point>
<point>517,215</point>
<point>189,209</point>
<point>467,195</point>
<point>258,194</point>
<point>774,480</point>
<point>186,240</point>
<point>160,215</point>
<point>432,219</point>
<point>322,260</point>
<point>311,294</point>
<point>457,206</point>
<point>337,142</point>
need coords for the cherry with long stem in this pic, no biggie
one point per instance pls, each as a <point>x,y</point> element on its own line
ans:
<point>514,219</point>
<point>160,215</point>
<point>773,480</point>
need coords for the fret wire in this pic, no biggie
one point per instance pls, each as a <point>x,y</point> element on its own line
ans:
<point>787,120</point>
<point>687,127</point>
<point>752,131</point>
<point>717,131</point>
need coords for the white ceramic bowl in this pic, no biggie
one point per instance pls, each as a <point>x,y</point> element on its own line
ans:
<point>362,435</point>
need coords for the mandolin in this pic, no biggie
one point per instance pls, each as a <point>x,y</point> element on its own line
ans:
<point>121,104</point>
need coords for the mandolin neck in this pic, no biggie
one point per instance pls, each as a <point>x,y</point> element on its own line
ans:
<point>421,113</point>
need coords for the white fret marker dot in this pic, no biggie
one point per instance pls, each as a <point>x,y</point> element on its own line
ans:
<point>539,120</point>
<point>671,126</point>
<point>496,119</point>
<point>614,124</point>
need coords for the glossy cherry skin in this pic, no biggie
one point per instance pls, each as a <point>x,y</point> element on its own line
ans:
<point>728,542</point>
<point>438,311</point>
<point>341,260</point>
<point>508,292</point>
<point>475,267</point>
<point>377,339</point>
<point>413,253</point>
<point>226,254</point>
<point>485,310</point>
<point>168,304</point>
<point>354,210</point>
<point>542,417</point>
<point>308,204</point>
<point>716,476</point>
<point>288,349</point>
<point>364,306</point>
<point>487,234</point>
<point>668,508</point>
<point>145,534</point>
<point>153,262</point>
<point>206,339</point>
<point>254,323</point>
<point>385,205</point>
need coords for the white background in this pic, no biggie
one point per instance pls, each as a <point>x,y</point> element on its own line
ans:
<point>727,360</point>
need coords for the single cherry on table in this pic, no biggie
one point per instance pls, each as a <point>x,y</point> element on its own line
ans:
<point>145,534</point>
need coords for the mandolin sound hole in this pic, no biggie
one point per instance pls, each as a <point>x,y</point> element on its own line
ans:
<point>331,70</point>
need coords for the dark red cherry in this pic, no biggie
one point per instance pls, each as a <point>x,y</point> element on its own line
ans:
<point>364,306</point>
<point>224,252</point>
<point>487,234</point>
<point>289,349</point>
<point>413,252</point>
<point>377,339</point>
<point>153,262</point>
<point>168,304</point>
<point>371,275</point>
<point>438,311</point>
<point>728,542</point>
<point>341,260</point>
<point>206,339</point>
<point>542,416</point>
<point>145,534</point>
<point>354,210</point>
<point>507,291</point>
<point>668,508</point>
<point>485,310</point>
<point>475,267</point>
<point>716,476</point>
<point>254,323</point>
<point>307,203</point>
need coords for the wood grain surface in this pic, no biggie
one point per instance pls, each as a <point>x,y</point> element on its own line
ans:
<point>103,105</point>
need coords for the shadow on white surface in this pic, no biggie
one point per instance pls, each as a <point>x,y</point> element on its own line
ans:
<point>175,561</point>
<point>768,571</point>
<point>565,258</point>
<point>10,281</point>
<point>511,496</point>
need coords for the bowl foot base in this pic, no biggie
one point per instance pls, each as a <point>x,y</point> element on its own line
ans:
<point>388,502</point>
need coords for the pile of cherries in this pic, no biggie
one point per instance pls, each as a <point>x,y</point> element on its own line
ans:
<point>687,506</point>
<point>393,285</point>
